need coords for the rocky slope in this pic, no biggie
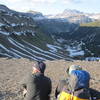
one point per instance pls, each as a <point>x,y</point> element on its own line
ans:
<point>12,71</point>
<point>89,34</point>
<point>32,35</point>
<point>83,41</point>
<point>56,26</point>
<point>20,36</point>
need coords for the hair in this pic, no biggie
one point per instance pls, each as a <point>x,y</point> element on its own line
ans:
<point>73,67</point>
<point>40,66</point>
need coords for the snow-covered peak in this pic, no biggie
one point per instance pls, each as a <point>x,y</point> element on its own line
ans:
<point>95,16</point>
<point>35,15</point>
<point>75,16</point>
<point>72,12</point>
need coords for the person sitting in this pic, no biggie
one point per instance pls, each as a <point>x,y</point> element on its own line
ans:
<point>37,86</point>
<point>76,87</point>
<point>64,83</point>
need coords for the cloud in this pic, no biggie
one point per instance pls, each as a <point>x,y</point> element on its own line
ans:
<point>11,1</point>
<point>41,1</point>
<point>32,1</point>
<point>24,5</point>
<point>71,1</point>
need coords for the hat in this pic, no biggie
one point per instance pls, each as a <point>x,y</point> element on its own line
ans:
<point>74,67</point>
<point>40,66</point>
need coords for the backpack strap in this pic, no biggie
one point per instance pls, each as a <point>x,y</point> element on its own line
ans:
<point>88,93</point>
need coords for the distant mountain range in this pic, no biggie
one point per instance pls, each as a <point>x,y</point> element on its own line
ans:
<point>35,36</point>
<point>76,16</point>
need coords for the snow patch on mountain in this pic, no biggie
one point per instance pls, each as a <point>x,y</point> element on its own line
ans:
<point>53,48</point>
<point>5,33</point>
<point>92,58</point>
<point>74,52</point>
<point>61,40</point>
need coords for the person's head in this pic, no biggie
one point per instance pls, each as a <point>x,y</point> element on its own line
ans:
<point>73,67</point>
<point>39,66</point>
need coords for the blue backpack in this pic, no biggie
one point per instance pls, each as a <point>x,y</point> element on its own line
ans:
<point>78,87</point>
<point>79,79</point>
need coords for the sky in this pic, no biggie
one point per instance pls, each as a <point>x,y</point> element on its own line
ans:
<point>53,6</point>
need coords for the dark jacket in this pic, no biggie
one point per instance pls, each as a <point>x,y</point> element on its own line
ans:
<point>38,87</point>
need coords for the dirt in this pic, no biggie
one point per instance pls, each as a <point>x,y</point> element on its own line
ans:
<point>12,72</point>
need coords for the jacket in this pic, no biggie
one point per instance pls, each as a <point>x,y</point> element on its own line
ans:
<point>38,87</point>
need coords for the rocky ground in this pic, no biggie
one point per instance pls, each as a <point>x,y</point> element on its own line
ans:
<point>12,71</point>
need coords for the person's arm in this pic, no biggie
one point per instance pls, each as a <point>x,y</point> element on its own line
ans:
<point>57,91</point>
<point>24,85</point>
<point>50,88</point>
<point>60,87</point>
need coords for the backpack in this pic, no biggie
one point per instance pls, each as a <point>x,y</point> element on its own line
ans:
<point>67,96</point>
<point>78,88</point>
<point>79,79</point>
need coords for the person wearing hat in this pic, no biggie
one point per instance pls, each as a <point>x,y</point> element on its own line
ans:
<point>65,83</point>
<point>37,86</point>
<point>73,67</point>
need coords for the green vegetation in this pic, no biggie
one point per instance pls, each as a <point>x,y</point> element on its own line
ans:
<point>91,24</point>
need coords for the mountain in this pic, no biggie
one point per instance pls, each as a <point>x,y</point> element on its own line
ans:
<point>71,12</point>
<point>34,36</point>
<point>20,36</point>
<point>83,42</point>
<point>88,34</point>
<point>95,16</point>
<point>35,15</point>
<point>75,16</point>
<point>56,26</point>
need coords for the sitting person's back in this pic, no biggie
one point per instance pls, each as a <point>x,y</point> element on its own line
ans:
<point>64,83</point>
<point>76,87</point>
<point>37,85</point>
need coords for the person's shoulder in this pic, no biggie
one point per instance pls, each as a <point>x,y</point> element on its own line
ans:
<point>47,78</point>
<point>80,72</point>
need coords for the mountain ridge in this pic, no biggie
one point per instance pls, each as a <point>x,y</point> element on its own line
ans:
<point>76,16</point>
<point>22,35</point>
